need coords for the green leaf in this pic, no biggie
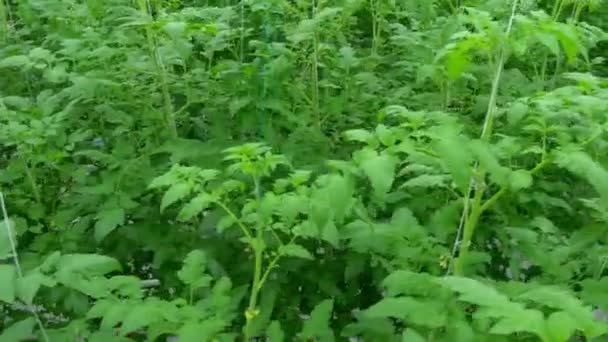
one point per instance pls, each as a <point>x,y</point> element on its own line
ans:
<point>107,221</point>
<point>89,264</point>
<point>360,135</point>
<point>195,207</point>
<point>410,310</point>
<point>274,332</point>
<point>561,326</point>
<point>14,61</point>
<point>520,179</point>
<point>28,286</point>
<point>454,152</point>
<point>175,29</point>
<point>139,317</point>
<point>523,321</point>
<point>8,277</point>
<point>193,270</point>
<point>295,250</point>
<point>380,169</point>
<point>203,331</point>
<point>318,325</point>
<point>20,331</point>
<point>175,193</point>
<point>425,181</point>
<point>473,291</point>
<point>410,335</point>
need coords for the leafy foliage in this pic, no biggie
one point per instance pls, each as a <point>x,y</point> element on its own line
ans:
<point>303,170</point>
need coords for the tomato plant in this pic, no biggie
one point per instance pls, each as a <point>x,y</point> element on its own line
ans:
<point>303,170</point>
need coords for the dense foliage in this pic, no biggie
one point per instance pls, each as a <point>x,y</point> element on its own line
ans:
<point>309,170</point>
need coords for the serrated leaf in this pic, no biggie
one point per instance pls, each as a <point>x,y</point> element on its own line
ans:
<point>360,135</point>
<point>8,278</point>
<point>89,264</point>
<point>107,221</point>
<point>516,113</point>
<point>524,321</point>
<point>195,207</point>
<point>20,331</point>
<point>203,331</point>
<point>139,317</point>
<point>274,332</point>
<point>561,326</point>
<point>192,272</point>
<point>410,310</point>
<point>318,325</point>
<point>425,181</point>
<point>175,29</point>
<point>410,335</point>
<point>175,193</point>
<point>295,250</point>
<point>454,152</point>
<point>167,179</point>
<point>380,169</point>
<point>473,291</point>
<point>14,61</point>
<point>520,179</point>
<point>28,286</point>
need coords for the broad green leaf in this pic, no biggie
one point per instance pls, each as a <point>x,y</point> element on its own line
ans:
<point>28,286</point>
<point>274,332</point>
<point>410,335</point>
<point>380,169</point>
<point>516,113</point>
<point>193,270</point>
<point>139,317</point>
<point>203,331</point>
<point>88,264</point>
<point>582,165</point>
<point>410,310</point>
<point>561,326</point>
<point>175,193</point>
<point>295,250</point>
<point>175,29</point>
<point>15,61</point>
<point>20,331</point>
<point>425,181</point>
<point>454,152</point>
<point>167,179</point>
<point>318,325</point>
<point>523,321</point>
<point>409,283</point>
<point>475,292</point>
<point>195,207</point>
<point>107,221</point>
<point>360,135</point>
<point>520,179</point>
<point>8,278</point>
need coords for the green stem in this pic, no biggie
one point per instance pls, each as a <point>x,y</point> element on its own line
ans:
<point>161,72</point>
<point>470,219</point>
<point>33,184</point>
<point>469,227</point>
<point>256,283</point>
<point>238,222</point>
<point>242,37</point>
<point>374,13</point>
<point>315,73</point>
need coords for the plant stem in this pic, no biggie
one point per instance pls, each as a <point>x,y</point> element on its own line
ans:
<point>13,245</point>
<point>256,285</point>
<point>477,183</point>
<point>161,72</point>
<point>242,36</point>
<point>32,181</point>
<point>315,72</point>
